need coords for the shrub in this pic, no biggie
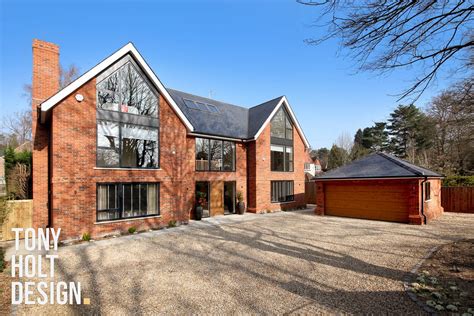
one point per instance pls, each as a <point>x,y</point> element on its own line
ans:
<point>132,230</point>
<point>19,181</point>
<point>458,181</point>
<point>86,237</point>
<point>172,223</point>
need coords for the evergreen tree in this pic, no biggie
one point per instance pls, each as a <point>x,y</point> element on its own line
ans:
<point>337,157</point>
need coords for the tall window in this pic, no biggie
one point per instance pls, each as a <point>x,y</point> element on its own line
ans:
<point>215,155</point>
<point>127,200</point>
<point>127,119</point>
<point>282,191</point>
<point>281,142</point>
<point>427,191</point>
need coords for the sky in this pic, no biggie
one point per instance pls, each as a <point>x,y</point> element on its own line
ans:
<point>241,52</point>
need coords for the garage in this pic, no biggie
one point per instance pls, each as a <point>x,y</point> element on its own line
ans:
<point>380,187</point>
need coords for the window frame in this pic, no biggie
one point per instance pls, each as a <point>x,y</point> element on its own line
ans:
<point>120,201</point>
<point>234,158</point>
<point>284,157</point>
<point>120,145</point>
<point>121,118</point>
<point>282,182</point>
<point>427,189</point>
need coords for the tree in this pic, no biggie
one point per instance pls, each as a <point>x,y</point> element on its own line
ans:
<point>358,150</point>
<point>452,115</point>
<point>344,141</point>
<point>322,154</point>
<point>410,132</point>
<point>375,138</point>
<point>387,35</point>
<point>337,157</point>
<point>18,126</point>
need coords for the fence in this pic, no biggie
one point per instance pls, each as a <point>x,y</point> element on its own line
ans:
<point>310,192</point>
<point>458,199</point>
<point>20,215</point>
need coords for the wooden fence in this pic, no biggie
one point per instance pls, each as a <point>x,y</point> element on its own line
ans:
<point>310,192</point>
<point>458,199</point>
<point>20,214</point>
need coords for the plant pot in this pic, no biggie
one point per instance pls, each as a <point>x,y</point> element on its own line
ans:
<point>198,213</point>
<point>241,208</point>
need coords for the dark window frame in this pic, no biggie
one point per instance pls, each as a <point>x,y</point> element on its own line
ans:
<point>427,189</point>
<point>120,201</point>
<point>234,167</point>
<point>292,169</point>
<point>120,123</point>
<point>282,183</point>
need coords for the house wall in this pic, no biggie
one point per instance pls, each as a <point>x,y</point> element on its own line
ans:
<point>413,187</point>
<point>216,179</point>
<point>260,174</point>
<point>75,175</point>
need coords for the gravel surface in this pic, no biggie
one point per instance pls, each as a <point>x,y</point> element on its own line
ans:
<point>280,263</point>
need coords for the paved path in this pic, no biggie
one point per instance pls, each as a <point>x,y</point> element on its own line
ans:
<point>281,263</point>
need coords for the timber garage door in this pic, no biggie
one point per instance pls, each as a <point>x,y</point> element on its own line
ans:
<point>369,201</point>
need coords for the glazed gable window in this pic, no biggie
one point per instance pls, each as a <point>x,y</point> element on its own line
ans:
<point>281,148</point>
<point>127,118</point>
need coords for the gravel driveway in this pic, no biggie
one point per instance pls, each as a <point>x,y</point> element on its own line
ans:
<point>281,263</point>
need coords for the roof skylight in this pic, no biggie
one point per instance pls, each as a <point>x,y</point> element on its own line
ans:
<point>195,105</point>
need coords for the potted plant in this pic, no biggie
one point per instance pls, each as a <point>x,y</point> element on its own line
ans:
<point>201,199</point>
<point>240,203</point>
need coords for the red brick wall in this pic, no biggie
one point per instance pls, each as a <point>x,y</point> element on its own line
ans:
<point>432,210</point>
<point>75,175</point>
<point>260,174</point>
<point>45,82</point>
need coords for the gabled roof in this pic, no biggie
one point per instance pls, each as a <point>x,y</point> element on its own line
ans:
<point>229,121</point>
<point>50,103</point>
<point>378,165</point>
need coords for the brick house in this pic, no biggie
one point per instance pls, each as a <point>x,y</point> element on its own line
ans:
<point>116,149</point>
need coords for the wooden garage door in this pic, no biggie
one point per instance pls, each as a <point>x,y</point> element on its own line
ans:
<point>379,202</point>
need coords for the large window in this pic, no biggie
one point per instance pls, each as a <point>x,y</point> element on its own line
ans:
<point>126,145</point>
<point>215,155</point>
<point>127,200</point>
<point>282,191</point>
<point>281,142</point>
<point>127,119</point>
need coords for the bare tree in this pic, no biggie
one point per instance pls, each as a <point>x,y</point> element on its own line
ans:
<point>67,75</point>
<point>345,141</point>
<point>18,125</point>
<point>386,35</point>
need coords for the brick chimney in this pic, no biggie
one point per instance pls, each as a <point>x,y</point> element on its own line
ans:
<point>45,82</point>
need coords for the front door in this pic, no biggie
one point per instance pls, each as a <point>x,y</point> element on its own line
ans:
<point>229,197</point>
<point>202,197</point>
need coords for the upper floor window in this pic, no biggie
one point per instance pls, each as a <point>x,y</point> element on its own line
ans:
<point>281,125</point>
<point>281,149</point>
<point>127,118</point>
<point>215,155</point>
<point>307,166</point>
<point>126,91</point>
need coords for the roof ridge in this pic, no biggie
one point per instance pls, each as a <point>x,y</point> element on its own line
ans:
<point>397,162</point>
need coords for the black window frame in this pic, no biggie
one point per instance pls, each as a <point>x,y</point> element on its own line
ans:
<point>120,201</point>
<point>285,161</point>
<point>121,118</point>
<point>427,189</point>
<point>234,146</point>
<point>282,186</point>
<point>286,142</point>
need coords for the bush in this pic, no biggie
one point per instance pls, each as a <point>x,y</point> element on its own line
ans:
<point>458,181</point>
<point>86,237</point>
<point>132,230</point>
<point>172,223</point>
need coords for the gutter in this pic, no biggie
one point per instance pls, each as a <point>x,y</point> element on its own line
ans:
<point>423,199</point>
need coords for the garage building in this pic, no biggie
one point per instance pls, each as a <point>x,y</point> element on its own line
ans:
<point>380,187</point>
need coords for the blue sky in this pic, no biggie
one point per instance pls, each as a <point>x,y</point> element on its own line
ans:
<point>244,52</point>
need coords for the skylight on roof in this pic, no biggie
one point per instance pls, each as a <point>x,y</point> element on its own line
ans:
<point>195,105</point>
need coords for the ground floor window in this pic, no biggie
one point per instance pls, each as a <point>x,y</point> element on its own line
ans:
<point>427,191</point>
<point>282,191</point>
<point>127,200</point>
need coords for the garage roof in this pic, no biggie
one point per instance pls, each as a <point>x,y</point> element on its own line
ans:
<point>378,165</point>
